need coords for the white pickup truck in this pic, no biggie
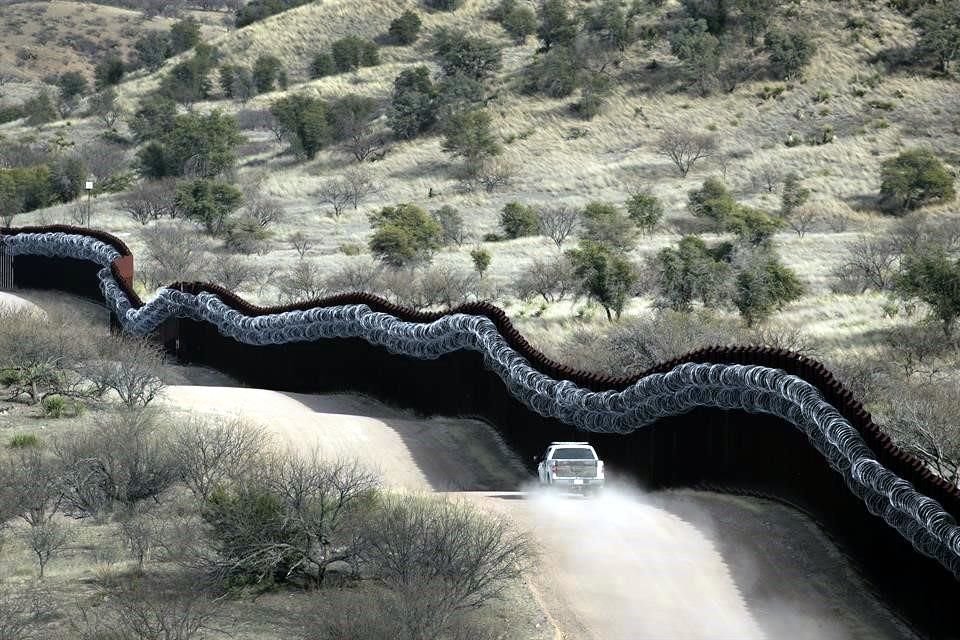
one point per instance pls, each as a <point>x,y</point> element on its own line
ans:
<point>571,465</point>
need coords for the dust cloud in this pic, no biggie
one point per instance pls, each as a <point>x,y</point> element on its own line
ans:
<point>638,571</point>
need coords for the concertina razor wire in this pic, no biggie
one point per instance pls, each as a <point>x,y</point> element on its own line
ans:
<point>754,389</point>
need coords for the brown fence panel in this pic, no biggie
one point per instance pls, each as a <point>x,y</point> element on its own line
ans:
<point>6,271</point>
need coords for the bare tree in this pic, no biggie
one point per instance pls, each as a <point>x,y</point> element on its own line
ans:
<point>923,420</point>
<point>914,348</point>
<point>130,366</point>
<point>802,220</point>
<point>308,525</point>
<point>553,279</point>
<point>30,486</point>
<point>445,548</point>
<point>300,243</point>
<point>211,451</point>
<point>769,178</point>
<point>46,540</point>
<point>175,253</point>
<point>494,174</point>
<point>360,184</point>
<point>140,533</point>
<point>45,354</point>
<point>684,148</point>
<point>150,200</point>
<point>124,459</point>
<point>82,211</point>
<point>870,264</point>
<point>357,275</point>
<point>557,223</point>
<point>338,194</point>
<point>302,282</point>
<point>233,272</point>
<point>22,609</point>
<point>103,159</point>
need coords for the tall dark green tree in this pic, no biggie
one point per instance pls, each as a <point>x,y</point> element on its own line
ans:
<point>913,179</point>
<point>184,35</point>
<point>693,272</point>
<point>933,278</point>
<point>208,202</point>
<point>558,26</point>
<point>305,119</point>
<point>404,234</point>
<point>605,276</point>
<point>414,103</point>
<point>763,286</point>
<point>938,24</point>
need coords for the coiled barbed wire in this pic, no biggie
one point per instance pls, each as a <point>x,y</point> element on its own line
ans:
<point>755,389</point>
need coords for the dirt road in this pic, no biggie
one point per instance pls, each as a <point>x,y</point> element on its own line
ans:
<point>671,566</point>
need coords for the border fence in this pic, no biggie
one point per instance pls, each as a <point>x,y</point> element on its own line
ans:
<point>753,420</point>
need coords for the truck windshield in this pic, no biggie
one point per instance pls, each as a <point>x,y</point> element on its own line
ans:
<point>572,453</point>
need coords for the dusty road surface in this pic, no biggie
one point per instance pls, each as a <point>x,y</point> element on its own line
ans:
<point>669,566</point>
<point>11,303</point>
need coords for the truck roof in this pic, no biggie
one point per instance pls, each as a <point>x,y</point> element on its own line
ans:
<point>582,444</point>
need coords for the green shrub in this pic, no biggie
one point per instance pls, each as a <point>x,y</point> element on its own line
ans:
<point>54,406</point>
<point>444,5</point>
<point>464,54</point>
<point>413,105</point>
<point>208,202</point>
<point>352,53</point>
<point>789,52</point>
<point>306,120</point>
<point>404,234</point>
<point>184,35</point>
<point>9,377</point>
<point>40,109</point>
<point>406,28</point>
<point>268,74</point>
<point>518,220</point>
<point>322,66</point>
<point>256,10</point>
<point>109,71</point>
<point>912,179</point>
<point>24,441</point>
<point>645,209</point>
<point>9,113</point>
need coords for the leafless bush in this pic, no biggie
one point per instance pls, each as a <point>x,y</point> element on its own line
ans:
<point>103,159</point>
<point>838,222</point>
<point>553,279</point>
<point>802,221</point>
<point>923,419</point>
<point>150,200</point>
<point>22,610</point>
<point>147,610</point>
<point>265,211</point>
<point>210,452</point>
<point>870,264</point>
<point>337,194</point>
<point>300,243</point>
<point>140,533</point>
<point>303,281</point>
<point>46,540</point>
<point>125,458</point>
<point>30,486</point>
<point>105,107</point>
<point>769,178</point>
<point>557,223</point>
<point>446,551</point>
<point>434,286</point>
<point>81,213</point>
<point>357,275</point>
<point>174,253</point>
<point>130,366</point>
<point>915,348</point>
<point>233,272</point>
<point>288,519</point>
<point>684,148</point>
<point>378,613</point>
<point>360,185</point>
<point>45,354</point>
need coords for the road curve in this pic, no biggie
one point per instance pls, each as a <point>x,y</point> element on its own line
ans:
<point>671,566</point>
